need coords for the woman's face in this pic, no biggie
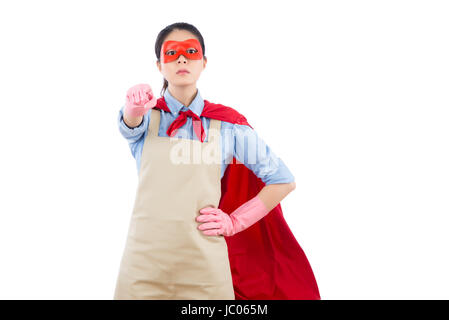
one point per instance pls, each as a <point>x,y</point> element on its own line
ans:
<point>169,70</point>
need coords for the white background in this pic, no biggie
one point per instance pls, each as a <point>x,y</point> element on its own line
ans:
<point>352,95</point>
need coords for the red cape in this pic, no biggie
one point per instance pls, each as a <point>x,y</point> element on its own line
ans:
<point>266,260</point>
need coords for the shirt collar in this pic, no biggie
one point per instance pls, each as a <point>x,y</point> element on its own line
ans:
<point>175,106</point>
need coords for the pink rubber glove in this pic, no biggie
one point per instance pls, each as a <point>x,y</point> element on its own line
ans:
<point>218,222</point>
<point>138,100</point>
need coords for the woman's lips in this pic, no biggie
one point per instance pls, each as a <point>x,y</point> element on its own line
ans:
<point>182,71</point>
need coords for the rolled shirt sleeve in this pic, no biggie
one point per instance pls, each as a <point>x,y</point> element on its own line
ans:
<point>257,156</point>
<point>132,135</point>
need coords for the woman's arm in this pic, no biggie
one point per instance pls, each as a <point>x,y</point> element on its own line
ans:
<point>134,136</point>
<point>278,179</point>
<point>131,121</point>
<point>272,194</point>
<point>252,150</point>
<point>132,133</point>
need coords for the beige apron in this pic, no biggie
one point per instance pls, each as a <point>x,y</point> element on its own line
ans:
<point>166,256</point>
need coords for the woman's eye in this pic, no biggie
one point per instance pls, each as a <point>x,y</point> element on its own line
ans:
<point>190,50</point>
<point>170,52</point>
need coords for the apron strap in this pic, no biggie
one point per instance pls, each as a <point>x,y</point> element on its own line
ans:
<point>215,124</point>
<point>155,119</point>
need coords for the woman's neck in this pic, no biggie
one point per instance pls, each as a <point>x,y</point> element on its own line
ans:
<point>184,94</point>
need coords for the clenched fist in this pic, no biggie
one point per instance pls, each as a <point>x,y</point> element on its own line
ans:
<point>139,99</point>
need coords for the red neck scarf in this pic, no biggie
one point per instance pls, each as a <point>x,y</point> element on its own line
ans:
<point>182,119</point>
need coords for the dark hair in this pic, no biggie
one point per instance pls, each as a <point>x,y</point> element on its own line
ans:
<point>164,33</point>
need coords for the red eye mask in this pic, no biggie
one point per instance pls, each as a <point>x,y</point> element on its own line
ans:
<point>190,48</point>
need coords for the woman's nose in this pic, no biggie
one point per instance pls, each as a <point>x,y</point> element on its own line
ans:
<point>181,59</point>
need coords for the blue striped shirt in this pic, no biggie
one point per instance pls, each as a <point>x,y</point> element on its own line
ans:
<point>239,141</point>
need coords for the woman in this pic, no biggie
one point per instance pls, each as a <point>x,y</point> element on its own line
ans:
<point>204,226</point>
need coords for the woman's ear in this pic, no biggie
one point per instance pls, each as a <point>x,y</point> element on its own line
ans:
<point>158,65</point>
<point>204,62</point>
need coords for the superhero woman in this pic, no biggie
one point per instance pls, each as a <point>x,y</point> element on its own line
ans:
<point>207,221</point>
